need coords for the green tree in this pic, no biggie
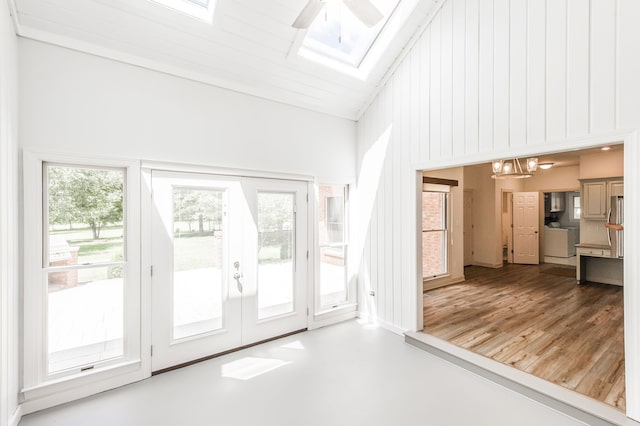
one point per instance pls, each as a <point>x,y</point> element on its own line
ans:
<point>191,205</point>
<point>90,196</point>
<point>275,220</point>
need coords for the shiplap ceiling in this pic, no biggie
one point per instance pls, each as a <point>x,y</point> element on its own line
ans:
<point>250,47</point>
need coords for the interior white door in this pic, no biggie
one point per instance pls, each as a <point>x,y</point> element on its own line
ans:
<point>526,228</point>
<point>229,263</point>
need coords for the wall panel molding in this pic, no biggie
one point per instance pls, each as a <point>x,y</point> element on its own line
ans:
<point>533,77</point>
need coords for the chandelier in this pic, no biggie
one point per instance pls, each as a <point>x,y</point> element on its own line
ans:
<point>512,169</point>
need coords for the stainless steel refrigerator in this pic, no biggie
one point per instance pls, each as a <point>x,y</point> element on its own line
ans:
<point>616,216</point>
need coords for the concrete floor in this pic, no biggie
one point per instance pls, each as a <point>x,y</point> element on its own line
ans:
<point>346,374</point>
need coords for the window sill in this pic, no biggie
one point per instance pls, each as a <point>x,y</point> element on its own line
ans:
<point>438,277</point>
<point>333,315</point>
<point>77,380</point>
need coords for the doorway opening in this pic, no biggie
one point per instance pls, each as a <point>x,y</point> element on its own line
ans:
<point>515,297</point>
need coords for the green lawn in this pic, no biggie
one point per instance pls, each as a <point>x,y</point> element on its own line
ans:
<point>192,250</point>
<point>108,248</point>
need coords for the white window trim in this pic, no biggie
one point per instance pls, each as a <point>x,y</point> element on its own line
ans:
<point>322,316</point>
<point>443,189</point>
<point>40,391</point>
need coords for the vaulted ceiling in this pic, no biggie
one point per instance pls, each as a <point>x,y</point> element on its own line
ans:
<point>250,47</point>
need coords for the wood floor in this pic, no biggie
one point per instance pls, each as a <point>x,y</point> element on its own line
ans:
<point>538,320</point>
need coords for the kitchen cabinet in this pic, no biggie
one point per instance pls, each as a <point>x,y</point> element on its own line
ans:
<point>615,187</point>
<point>596,194</point>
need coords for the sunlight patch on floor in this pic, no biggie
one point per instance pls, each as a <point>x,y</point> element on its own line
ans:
<point>294,345</point>
<point>249,367</point>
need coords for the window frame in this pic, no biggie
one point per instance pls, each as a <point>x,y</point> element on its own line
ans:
<point>41,388</point>
<point>576,207</point>
<point>446,230</point>
<point>47,268</point>
<point>323,311</point>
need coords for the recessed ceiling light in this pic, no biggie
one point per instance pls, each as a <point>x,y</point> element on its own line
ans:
<point>545,166</point>
<point>605,148</point>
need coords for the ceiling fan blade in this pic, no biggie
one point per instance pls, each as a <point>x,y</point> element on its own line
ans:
<point>308,14</point>
<point>365,11</point>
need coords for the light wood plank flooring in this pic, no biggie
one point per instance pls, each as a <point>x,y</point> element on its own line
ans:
<point>538,320</point>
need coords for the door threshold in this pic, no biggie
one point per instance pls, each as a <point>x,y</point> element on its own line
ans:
<point>571,403</point>
<point>229,351</point>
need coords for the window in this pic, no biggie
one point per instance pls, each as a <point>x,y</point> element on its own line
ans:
<point>84,263</point>
<point>576,207</point>
<point>435,230</point>
<point>335,219</point>
<point>82,274</point>
<point>336,34</point>
<point>201,3</point>
<point>199,9</point>
<point>333,245</point>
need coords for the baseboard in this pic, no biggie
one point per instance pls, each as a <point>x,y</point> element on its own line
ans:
<point>580,407</point>
<point>16,417</point>
<point>560,260</point>
<point>488,265</point>
<point>432,284</point>
<point>369,319</point>
<point>333,318</point>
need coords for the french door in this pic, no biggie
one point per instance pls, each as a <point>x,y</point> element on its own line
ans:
<point>229,262</point>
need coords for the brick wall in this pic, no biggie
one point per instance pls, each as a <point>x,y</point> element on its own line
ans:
<point>433,242</point>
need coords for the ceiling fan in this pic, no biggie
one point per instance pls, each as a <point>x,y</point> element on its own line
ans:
<point>364,10</point>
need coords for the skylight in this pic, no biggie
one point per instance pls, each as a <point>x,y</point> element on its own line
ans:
<point>203,3</point>
<point>338,35</point>
<point>200,9</point>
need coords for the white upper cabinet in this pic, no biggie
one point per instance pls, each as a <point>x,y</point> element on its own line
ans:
<point>595,196</point>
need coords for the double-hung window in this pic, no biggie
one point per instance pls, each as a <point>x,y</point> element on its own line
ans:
<point>435,231</point>
<point>332,231</point>
<point>82,273</point>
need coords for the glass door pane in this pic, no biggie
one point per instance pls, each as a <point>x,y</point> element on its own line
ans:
<point>196,234</point>
<point>197,261</point>
<point>276,248</point>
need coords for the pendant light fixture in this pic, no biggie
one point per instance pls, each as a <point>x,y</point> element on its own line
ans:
<point>512,169</point>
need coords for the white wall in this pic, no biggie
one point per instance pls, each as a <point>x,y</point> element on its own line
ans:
<point>491,79</point>
<point>9,270</point>
<point>485,79</point>
<point>602,165</point>
<point>77,103</point>
<point>556,179</point>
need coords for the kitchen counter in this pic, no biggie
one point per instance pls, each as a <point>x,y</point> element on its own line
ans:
<point>595,264</point>
<point>595,246</point>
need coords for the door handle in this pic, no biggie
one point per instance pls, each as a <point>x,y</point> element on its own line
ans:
<point>237,275</point>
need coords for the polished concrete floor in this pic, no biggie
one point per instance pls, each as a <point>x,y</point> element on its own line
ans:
<point>346,374</point>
